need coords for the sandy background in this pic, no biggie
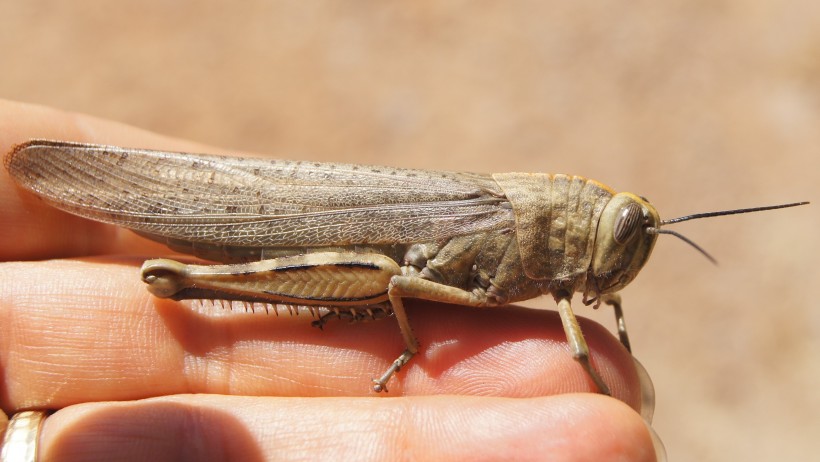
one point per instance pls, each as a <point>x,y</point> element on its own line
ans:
<point>698,105</point>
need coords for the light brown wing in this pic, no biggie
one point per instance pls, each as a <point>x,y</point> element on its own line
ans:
<point>246,202</point>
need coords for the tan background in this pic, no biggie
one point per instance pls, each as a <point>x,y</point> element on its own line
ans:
<point>698,105</point>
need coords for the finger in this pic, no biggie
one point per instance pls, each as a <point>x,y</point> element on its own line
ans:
<point>30,229</point>
<point>4,423</point>
<point>78,331</point>
<point>208,427</point>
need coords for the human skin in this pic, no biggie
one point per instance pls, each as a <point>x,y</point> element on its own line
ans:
<point>132,377</point>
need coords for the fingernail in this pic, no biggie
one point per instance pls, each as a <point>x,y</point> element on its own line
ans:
<point>647,392</point>
<point>660,449</point>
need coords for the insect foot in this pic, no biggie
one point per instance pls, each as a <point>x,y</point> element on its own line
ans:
<point>380,384</point>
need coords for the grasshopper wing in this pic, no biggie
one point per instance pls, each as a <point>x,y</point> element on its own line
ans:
<point>257,203</point>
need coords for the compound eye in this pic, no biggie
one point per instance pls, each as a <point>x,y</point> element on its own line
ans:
<point>628,221</point>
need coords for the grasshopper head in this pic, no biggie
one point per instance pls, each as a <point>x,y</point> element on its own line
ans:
<point>623,242</point>
<point>626,234</point>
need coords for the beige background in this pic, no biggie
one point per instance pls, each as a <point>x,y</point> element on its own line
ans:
<point>698,105</point>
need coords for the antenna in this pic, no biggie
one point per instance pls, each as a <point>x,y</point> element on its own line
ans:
<point>721,213</point>
<point>695,216</point>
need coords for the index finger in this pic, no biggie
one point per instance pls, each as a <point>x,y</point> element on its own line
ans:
<point>79,331</point>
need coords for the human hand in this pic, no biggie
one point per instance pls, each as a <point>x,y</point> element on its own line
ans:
<point>135,377</point>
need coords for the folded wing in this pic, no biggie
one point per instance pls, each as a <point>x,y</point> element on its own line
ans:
<point>248,202</point>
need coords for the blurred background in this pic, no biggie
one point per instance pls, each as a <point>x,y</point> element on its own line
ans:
<point>697,105</point>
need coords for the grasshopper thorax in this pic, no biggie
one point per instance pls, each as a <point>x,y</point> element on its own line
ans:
<point>622,243</point>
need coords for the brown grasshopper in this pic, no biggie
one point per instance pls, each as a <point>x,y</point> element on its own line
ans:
<point>358,239</point>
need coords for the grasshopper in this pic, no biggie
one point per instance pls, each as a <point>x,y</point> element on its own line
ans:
<point>358,239</point>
